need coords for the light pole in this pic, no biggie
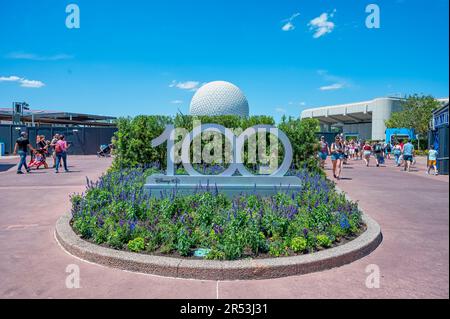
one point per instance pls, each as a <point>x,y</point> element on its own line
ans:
<point>18,108</point>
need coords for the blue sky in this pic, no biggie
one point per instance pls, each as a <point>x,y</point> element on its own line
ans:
<point>148,57</point>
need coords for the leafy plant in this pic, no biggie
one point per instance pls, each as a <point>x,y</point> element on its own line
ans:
<point>136,245</point>
<point>299,244</point>
<point>132,141</point>
<point>323,241</point>
<point>302,134</point>
<point>117,211</point>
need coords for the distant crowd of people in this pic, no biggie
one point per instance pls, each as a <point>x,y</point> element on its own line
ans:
<point>56,148</point>
<point>341,150</point>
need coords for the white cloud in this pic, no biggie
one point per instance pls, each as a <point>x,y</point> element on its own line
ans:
<point>280,110</point>
<point>22,81</point>
<point>321,25</point>
<point>31,83</point>
<point>335,86</point>
<point>297,103</point>
<point>188,85</point>
<point>35,57</point>
<point>337,82</point>
<point>288,25</point>
<point>12,78</point>
<point>176,102</point>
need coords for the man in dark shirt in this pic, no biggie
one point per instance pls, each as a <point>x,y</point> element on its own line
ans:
<point>379,152</point>
<point>22,146</point>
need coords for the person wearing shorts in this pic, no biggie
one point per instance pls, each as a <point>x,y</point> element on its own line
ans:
<point>356,150</point>
<point>52,145</point>
<point>351,150</point>
<point>367,151</point>
<point>408,153</point>
<point>432,160</point>
<point>337,156</point>
<point>379,152</point>
<point>324,151</point>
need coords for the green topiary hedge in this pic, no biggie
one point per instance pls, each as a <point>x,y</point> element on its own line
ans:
<point>132,141</point>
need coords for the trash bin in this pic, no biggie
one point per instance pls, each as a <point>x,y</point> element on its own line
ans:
<point>2,149</point>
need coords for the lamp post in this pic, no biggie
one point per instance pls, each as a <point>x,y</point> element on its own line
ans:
<point>18,108</point>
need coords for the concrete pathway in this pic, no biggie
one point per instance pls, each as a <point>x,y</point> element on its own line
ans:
<point>412,209</point>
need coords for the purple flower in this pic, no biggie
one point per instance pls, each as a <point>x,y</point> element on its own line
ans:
<point>218,229</point>
<point>292,211</point>
<point>305,232</point>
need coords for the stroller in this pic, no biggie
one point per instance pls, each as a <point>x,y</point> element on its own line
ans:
<point>38,160</point>
<point>105,151</point>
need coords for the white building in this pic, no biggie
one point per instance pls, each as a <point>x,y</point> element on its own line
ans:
<point>363,119</point>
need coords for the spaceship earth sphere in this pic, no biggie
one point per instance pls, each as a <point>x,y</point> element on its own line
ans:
<point>219,98</point>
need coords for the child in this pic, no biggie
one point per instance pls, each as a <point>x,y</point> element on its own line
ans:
<point>432,157</point>
<point>38,160</point>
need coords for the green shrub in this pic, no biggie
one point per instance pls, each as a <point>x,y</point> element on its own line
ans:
<point>132,141</point>
<point>215,254</point>
<point>278,248</point>
<point>136,245</point>
<point>323,241</point>
<point>299,244</point>
<point>184,243</point>
<point>302,134</point>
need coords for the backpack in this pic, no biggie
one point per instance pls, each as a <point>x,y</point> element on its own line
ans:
<point>378,148</point>
<point>58,148</point>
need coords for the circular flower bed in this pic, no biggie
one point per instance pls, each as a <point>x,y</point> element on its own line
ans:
<point>117,212</point>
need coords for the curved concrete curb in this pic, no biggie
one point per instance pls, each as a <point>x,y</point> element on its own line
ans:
<point>220,270</point>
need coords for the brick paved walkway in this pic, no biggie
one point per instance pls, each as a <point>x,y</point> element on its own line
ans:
<point>412,209</point>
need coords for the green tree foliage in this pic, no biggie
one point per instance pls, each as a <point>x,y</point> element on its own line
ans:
<point>416,113</point>
<point>302,134</point>
<point>132,141</point>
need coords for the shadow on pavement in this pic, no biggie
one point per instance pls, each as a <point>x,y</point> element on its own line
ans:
<point>5,167</point>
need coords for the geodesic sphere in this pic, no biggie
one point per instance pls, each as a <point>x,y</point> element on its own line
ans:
<point>219,98</point>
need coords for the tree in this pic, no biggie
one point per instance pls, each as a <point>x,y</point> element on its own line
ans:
<point>302,134</point>
<point>416,113</point>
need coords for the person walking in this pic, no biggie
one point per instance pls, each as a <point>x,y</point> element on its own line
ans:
<point>408,154</point>
<point>346,151</point>
<point>388,150</point>
<point>52,145</point>
<point>351,149</point>
<point>367,151</point>
<point>323,152</point>
<point>379,152</point>
<point>21,148</point>
<point>432,159</point>
<point>337,157</point>
<point>61,148</point>
<point>357,149</point>
<point>397,154</point>
<point>360,147</point>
